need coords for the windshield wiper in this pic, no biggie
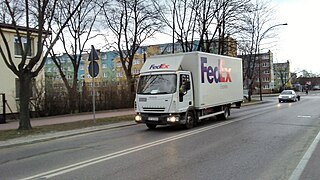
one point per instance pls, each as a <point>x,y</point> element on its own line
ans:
<point>161,93</point>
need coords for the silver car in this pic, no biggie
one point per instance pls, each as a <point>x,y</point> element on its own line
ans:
<point>288,95</point>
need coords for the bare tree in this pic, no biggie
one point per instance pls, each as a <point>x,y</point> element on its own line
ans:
<point>180,16</point>
<point>206,20</point>
<point>282,74</point>
<point>17,11</point>
<point>37,21</point>
<point>74,39</point>
<point>254,28</point>
<point>131,22</point>
<point>226,22</point>
<point>306,73</point>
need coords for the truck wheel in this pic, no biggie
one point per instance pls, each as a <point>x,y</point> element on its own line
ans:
<point>151,126</point>
<point>225,114</point>
<point>189,120</point>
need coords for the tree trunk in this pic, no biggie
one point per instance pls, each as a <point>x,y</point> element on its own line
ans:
<point>24,97</point>
<point>73,98</point>
<point>131,90</point>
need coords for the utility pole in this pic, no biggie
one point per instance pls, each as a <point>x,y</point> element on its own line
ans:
<point>259,58</point>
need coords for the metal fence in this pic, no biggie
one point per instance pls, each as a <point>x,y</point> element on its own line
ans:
<point>2,108</point>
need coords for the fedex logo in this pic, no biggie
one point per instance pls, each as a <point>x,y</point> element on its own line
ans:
<point>217,74</point>
<point>161,66</point>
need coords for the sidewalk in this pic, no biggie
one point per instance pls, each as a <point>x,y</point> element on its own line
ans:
<point>14,124</point>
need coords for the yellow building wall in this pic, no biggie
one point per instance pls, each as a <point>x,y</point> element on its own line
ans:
<point>7,77</point>
<point>136,67</point>
<point>88,78</point>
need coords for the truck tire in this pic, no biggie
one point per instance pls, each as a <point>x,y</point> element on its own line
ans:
<point>151,126</point>
<point>225,114</point>
<point>189,120</point>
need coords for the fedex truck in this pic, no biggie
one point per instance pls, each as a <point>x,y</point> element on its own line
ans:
<point>186,88</point>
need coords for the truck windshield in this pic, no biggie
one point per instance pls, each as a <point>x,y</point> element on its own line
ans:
<point>157,84</point>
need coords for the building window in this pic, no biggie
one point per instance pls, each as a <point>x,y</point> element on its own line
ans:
<point>169,49</point>
<point>17,48</point>
<point>119,74</point>
<point>119,64</point>
<point>136,61</point>
<point>265,56</point>
<point>104,66</point>
<point>266,79</point>
<point>162,49</point>
<point>135,71</point>
<point>266,72</point>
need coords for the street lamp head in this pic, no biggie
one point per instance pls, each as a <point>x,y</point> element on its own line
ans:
<point>285,24</point>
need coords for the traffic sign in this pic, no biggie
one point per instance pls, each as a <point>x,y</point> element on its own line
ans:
<point>93,71</point>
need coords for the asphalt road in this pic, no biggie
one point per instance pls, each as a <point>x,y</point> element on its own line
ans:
<point>265,141</point>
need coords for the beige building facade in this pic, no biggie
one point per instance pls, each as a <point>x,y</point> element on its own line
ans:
<point>9,83</point>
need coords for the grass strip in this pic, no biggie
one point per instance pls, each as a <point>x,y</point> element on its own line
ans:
<point>11,134</point>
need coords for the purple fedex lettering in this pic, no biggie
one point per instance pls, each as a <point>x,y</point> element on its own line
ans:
<point>216,74</point>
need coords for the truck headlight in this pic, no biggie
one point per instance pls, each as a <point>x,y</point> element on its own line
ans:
<point>138,118</point>
<point>173,119</point>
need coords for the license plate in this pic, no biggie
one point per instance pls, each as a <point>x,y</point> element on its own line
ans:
<point>153,118</point>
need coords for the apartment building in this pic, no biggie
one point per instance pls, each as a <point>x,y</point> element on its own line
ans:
<point>282,76</point>
<point>106,69</point>
<point>261,69</point>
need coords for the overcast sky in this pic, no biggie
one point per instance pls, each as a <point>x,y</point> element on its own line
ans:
<point>299,41</point>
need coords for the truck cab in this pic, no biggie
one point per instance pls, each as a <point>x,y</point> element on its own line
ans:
<point>162,97</point>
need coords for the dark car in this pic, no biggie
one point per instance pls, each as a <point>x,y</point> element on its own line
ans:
<point>288,95</point>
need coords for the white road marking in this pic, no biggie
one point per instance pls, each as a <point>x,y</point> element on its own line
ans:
<point>89,162</point>
<point>305,159</point>
<point>304,116</point>
<point>96,160</point>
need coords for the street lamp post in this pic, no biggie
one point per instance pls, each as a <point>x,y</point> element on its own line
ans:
<point>261,37</point>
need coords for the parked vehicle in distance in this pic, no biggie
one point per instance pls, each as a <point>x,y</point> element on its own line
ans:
<point>317,87</point>
<point>288,95</point>
<point>185,88</point>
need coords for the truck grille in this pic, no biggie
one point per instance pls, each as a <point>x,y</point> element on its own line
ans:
<point>157,109</point>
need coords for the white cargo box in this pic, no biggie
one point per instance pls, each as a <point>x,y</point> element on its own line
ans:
<point>217,79</point>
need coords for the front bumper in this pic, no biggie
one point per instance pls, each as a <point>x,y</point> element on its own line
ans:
<point>286,99</point>
<point>159,119</point>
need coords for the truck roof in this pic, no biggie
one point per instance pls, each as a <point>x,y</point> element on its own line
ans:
<point>162,63</point>
<point>171,62</point>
